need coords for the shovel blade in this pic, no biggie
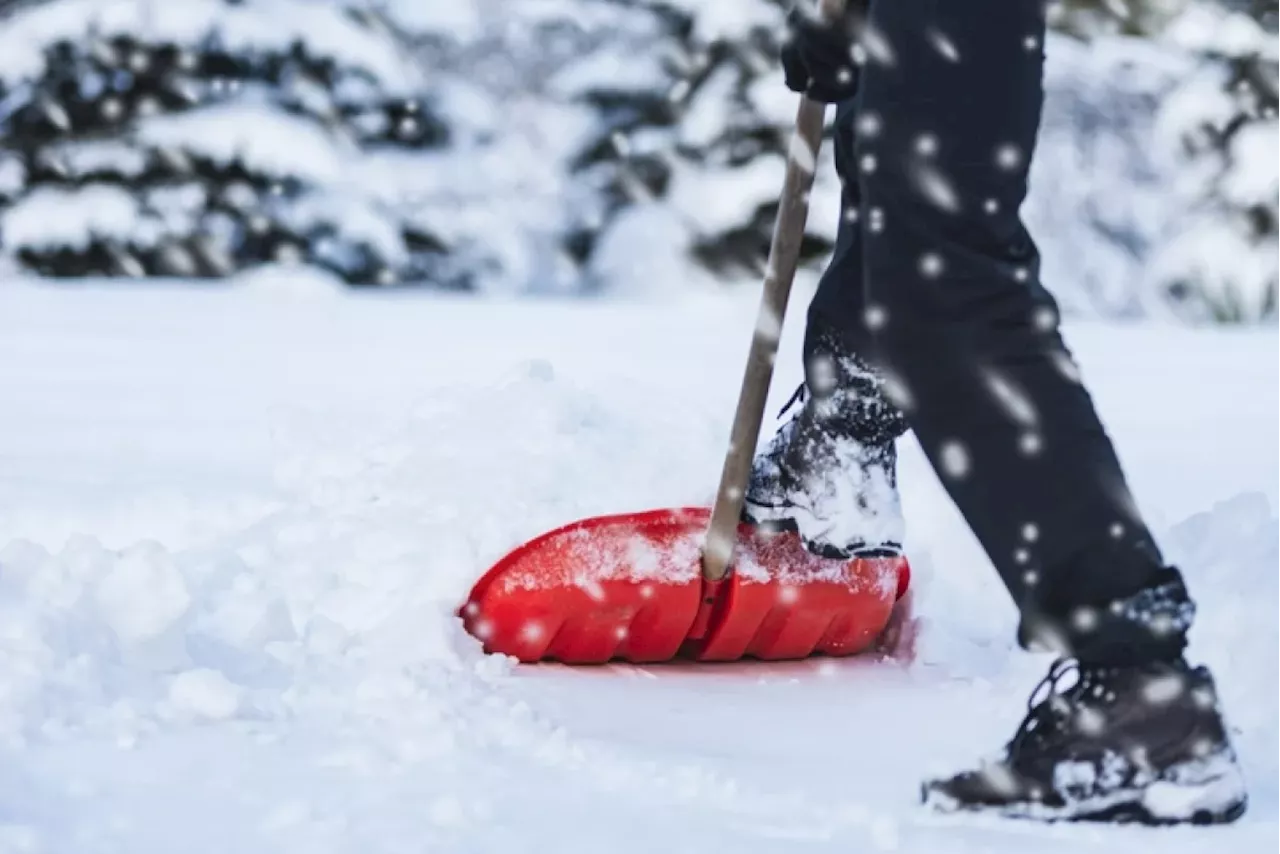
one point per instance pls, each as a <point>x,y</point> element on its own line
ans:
<point>629,587</point>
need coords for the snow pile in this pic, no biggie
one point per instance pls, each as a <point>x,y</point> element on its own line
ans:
<point>377,541</point>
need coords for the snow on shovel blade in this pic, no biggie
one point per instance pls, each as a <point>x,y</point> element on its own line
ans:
<point>629,587</point>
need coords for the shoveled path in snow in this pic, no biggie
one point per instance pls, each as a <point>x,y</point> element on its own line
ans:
<point>234,526</point>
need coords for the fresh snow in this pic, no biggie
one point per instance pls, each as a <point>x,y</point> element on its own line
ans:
<point>70,217</point>
<point>235,524</point>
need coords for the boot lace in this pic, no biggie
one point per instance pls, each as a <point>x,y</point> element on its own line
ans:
<point>799,396</point>
<point>1047,714</point>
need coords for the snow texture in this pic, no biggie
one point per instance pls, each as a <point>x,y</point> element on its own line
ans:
<point>235,527</point>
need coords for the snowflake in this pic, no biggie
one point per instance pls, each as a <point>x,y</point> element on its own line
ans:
<point>944,45</point>
<point>877,220</point>
<point>1045,319</point>
<point>936,188</point>
<point>954,458</point>
<point>875,317</point>
<point>897,392</point>
<point>1085,619</point>
<point>1030,444</point>
<point>1008,156</point>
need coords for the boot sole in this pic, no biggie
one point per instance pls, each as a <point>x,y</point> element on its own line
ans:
<point>1220,800</point>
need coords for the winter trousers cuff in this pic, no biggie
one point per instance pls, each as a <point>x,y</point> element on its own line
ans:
<point>1149,625</point>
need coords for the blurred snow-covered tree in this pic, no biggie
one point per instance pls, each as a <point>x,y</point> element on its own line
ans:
<point>150,138</point>
<point>1218,260</point>
<point>560,78</point>
<point>709,146</point>
<point>1093,18</point>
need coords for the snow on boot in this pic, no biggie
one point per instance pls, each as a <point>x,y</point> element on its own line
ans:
<point>829,473</point>
<point>1144,744</point>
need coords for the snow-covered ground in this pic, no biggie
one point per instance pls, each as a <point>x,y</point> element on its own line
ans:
<point>234,527</point>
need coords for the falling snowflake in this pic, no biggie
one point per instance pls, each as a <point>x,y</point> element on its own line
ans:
<point>926,145</point>
<point>1011,398</point>
<point>936,188</point>
<point>1030,444</point>
<point>931,265</point>
<point>877,47</point>
<point>876,222</point>
<point>1163,689</point>
<point>897,391</point>
<point>1008,156</point>
<point>875,317</point>
<point>1085,619</point>
<point>869,124</point>
<point>991,206</point>
<point>944,45</point>
<point>1067,367</point>
<point>954,458</point>
<point>1045,319</point>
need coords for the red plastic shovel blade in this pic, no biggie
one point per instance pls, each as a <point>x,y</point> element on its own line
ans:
<point>604,588</point>
<point>783,602</point>
<point>629,587</point>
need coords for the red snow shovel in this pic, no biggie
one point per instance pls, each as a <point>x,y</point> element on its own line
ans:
<point>690,582</point>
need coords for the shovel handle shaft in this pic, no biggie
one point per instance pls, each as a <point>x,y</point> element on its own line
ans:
<point>780,271</point>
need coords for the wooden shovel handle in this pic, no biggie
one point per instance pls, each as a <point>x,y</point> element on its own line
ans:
<point>784,257</point>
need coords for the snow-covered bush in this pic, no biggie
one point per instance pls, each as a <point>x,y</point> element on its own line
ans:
<point>1218,259</point>
<point>204,137</point>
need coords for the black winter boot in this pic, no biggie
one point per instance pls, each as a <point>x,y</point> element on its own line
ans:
<point>830,472</point>
<point>1143,743</point>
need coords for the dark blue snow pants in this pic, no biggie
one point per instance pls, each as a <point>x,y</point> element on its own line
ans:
<point>936,281</point>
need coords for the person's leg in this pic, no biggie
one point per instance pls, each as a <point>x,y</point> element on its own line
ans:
<point>959,323</point>
<point>830,472</point>
<point>969,337</point>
